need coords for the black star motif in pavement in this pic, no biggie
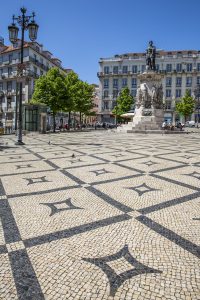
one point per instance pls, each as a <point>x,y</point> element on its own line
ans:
<point>59,153</point>
<point>73,161</point>
<point>118,155</point>
<point>100,172</point>
<point>186,156</point>
<point>36,180</point>
<point>143,188</point>
<point>10,151</point>
<point>149,163</point>
<point>24,166</point>
<point>116,280</point>
<point>55,206</point>
<point>194,174</point>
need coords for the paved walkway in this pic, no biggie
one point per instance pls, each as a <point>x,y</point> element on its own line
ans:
<point>100,215</point>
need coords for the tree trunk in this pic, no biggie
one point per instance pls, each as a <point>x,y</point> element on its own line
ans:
<point>74,121</point>
<point>69,120</point>
<point>80,120</point>
<point>54,122</point>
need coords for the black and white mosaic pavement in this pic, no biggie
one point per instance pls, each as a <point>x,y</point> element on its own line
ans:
<point>100,215</point>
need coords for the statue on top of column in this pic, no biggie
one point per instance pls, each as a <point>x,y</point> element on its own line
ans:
<point>150,57</point>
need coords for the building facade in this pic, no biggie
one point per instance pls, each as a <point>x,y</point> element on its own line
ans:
<point>93,119</point>
<point>180,69</point>
<point>37,62</point>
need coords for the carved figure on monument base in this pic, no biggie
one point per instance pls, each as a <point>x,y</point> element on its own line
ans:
<point>157,97</point>
<point>138,102</point>
<point>145,94</point>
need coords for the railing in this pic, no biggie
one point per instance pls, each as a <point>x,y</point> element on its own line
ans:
<point>30,73</point>
<point>37,63</point>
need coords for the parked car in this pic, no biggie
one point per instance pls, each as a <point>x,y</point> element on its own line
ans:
<point>190,124</point>
<point>98,125</point>
<point>110,125</point>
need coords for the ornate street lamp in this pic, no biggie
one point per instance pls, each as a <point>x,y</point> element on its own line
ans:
<point>33,29</point>
<point>13,32</point>
<point>197,96</point>
<point>26,23</point>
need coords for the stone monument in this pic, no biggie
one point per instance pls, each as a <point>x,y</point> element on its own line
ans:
<point>149,114</point>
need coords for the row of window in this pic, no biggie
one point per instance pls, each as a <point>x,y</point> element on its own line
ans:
<point>178,93</point>
<point>17,55</point>
<point>124,82</point>
<point>10,71</point>
<point>135,68</point>
<point>107,105</point>
<point>10,57</point>
<point>179,81</point>
<point>116,82</point>
<point>168,93</point>
<point>116,93</point>
<point>9,86</point>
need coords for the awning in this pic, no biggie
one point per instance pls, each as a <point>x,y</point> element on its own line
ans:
<point>127,115</point>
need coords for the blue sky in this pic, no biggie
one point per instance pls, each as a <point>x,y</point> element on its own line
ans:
<point>79,32</point>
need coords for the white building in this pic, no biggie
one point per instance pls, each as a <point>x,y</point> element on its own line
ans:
<point>180,69</point>
<point>36,63</point>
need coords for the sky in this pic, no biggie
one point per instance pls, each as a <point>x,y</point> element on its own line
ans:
<point>79,32</point>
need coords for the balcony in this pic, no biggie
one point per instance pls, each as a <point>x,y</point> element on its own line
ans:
<point>100,74</point>
<point>9,93</point>
<point>30,73</point>
<point>9,76</point>
<point>37,63</point>
<point>10,110</point>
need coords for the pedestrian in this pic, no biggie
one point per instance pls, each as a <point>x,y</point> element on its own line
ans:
<point>164,125</point>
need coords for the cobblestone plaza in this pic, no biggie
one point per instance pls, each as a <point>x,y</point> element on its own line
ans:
<point>100,215</point>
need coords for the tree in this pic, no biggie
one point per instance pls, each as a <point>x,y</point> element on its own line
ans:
<point>71,82</point>
<point>51,90</point>
<point>186,106</point>
<point>124,102</point>
<point>84,98</point>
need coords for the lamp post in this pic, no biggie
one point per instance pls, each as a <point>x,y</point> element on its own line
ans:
<point>197,95</point>
<point>26,23</point>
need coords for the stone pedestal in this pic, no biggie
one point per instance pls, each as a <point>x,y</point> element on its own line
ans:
<point>149,114</point>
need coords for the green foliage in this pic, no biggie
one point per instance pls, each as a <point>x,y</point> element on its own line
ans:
<point>71,82</point>
<point>84,97</point>
<point>51,90</point>
<point>124,102</point>
<point>186,106</point>
<point>66,93</point>
<point>80,95</point>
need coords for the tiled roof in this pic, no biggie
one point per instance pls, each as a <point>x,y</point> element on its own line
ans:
<point>11,48</point>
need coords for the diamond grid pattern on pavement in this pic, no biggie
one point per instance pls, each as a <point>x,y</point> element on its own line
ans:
<point>100,215</point>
